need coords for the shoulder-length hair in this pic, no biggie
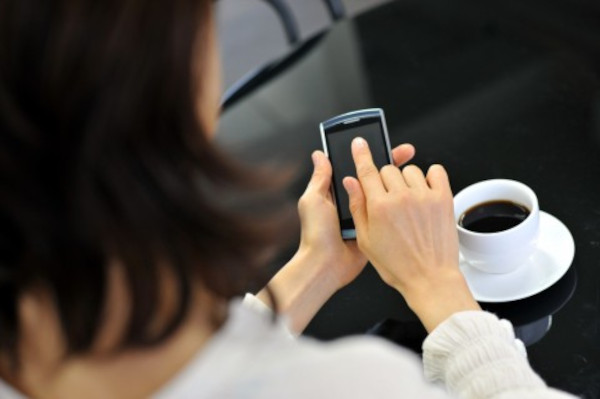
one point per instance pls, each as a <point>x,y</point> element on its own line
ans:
<point>102,157</point>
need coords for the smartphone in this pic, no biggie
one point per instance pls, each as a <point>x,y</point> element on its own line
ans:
<point>337,134</point>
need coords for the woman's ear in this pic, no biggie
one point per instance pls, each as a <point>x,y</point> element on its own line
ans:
<point>41,340</point>
<point>207,66</point>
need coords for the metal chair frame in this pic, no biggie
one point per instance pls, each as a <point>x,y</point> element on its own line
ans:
<point>260,75</point>
<point>290,24</point>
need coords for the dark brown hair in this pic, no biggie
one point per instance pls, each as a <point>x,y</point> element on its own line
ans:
<point>102,157</point>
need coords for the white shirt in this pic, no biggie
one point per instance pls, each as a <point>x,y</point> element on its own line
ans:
<point>473,353</point>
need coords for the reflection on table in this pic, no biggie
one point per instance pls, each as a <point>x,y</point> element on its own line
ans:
<point>531,317</point>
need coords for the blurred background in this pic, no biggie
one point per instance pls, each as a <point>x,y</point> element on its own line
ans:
<point>250,33</point>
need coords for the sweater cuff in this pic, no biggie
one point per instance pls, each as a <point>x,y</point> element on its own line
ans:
<point>256,305</point>
<point>252,302</point>
<point>476,354</point>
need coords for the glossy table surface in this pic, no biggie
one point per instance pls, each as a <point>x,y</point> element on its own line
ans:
<point>489,89</point>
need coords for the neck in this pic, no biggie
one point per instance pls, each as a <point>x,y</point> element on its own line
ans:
<point>131,373</point>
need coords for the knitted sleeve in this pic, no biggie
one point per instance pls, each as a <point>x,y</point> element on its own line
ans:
<point>476,355</point>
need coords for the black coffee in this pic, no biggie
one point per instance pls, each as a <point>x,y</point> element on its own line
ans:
<point>493,216</point>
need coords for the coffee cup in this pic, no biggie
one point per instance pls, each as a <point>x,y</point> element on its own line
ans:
<point>498,224</point>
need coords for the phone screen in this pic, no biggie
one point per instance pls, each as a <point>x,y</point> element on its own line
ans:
<point>339,139</point>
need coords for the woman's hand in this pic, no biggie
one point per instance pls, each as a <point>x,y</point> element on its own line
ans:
<point>321,236</point>
<point>405,225</point>
<point>324,262</point>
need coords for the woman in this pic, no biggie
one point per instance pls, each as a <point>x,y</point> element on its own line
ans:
<point>122,254</point>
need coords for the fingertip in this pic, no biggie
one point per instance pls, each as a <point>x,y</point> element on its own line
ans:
<point>317,157</point>
<point>409,149</point>
<point>438,177</point>
<point>320,180</point>
<point>349,184</point>
<point>358,143</point>
<point>321,162</point>
<point>436,168</point>
<point>403,153</point>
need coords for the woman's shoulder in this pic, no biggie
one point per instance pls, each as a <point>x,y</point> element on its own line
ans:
<point>350,367</point>
<point>255,356</point>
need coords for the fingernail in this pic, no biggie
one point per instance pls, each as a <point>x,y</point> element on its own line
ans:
<point>359,142</point>
<point>348,185</point>
<point>316,158</point>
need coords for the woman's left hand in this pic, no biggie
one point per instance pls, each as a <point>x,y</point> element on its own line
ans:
<point>324,262</point>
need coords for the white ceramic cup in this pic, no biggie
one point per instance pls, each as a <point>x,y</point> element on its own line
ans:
<point>502,251</point>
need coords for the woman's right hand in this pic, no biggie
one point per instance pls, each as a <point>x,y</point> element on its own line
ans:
<point>405,225</point>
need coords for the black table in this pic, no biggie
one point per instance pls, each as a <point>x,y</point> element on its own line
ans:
<point>490,89</point>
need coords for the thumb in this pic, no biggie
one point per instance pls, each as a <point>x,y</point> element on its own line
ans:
<point>357,202</point>
<point>320,181</point>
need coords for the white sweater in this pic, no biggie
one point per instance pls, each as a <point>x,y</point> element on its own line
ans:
<point>473,354</point>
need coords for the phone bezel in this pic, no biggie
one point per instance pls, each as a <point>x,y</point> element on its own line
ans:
<point>344,122</point>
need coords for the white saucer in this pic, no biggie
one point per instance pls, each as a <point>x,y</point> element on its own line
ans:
<point>556,249</point>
